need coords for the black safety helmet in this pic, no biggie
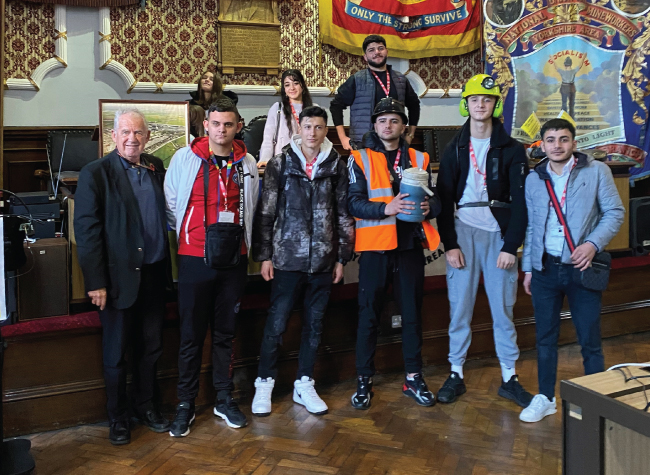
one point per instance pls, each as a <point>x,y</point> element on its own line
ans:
<point>389,105</point>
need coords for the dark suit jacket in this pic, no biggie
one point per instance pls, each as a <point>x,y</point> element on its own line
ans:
<point>108,227</point>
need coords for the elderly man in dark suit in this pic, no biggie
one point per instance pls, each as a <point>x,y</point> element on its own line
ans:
<point>123,252</point>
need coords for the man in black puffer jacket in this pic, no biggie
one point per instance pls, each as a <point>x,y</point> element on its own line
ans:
<point>303,235</point>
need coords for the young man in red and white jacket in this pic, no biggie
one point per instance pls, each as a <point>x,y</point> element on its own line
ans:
<point>209,297</point>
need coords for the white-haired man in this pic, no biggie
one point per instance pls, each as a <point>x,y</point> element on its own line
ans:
<point>120,228</point>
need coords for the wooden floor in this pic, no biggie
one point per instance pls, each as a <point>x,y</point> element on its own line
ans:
<point>478,435</point>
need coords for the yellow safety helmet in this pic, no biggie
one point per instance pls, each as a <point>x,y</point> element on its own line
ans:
<point>481,84</point>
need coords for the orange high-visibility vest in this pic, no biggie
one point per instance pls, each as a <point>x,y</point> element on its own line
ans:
<point>381,234</point>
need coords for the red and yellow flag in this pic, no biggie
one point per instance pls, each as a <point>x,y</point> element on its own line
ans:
<point>412,28</point>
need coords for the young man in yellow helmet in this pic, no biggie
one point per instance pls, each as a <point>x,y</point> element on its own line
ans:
<point>482,224</point>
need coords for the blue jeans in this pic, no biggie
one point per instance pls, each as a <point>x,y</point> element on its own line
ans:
<point>549,288</point>
<point>286,286</point>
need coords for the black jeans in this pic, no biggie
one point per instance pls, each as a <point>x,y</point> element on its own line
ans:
<point>549,288</point>
<point>207,297</point>
<point>286,286</point>
<point>376,270</point>
<point>137,329</point>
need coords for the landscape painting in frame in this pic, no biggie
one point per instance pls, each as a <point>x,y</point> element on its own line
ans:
<point>168,123</point>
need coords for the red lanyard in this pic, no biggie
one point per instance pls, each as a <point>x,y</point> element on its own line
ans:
<point>310,166</point>
<point>295,116</point>
<point>475,164</point>
<point>399,154</point>
<point>386,88</point>
<point>224,187</point>
<point>566,187</point>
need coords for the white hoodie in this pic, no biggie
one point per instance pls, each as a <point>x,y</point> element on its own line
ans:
<point>325,149</point>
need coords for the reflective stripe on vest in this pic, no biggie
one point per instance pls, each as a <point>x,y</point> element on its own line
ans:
<point>433,238</point>
<point>419,159</point>
<point>375,234</point>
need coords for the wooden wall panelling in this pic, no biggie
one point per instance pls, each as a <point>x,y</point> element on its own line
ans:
<point>55,380</point>
<point>78,289</point>
<point>622,239</point>
<point>25,152</point>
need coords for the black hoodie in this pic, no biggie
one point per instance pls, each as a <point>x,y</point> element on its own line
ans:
<point>506,170</point>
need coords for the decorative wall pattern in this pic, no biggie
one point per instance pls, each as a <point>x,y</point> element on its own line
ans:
<point>447,72</point>
<point>173,42</point>
<point>170,41</point>
<point>29,37</point>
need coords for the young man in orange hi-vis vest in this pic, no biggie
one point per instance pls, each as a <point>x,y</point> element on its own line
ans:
<point>482,224</point>
<point>391,249</point>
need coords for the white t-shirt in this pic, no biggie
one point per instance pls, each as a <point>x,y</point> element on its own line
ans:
<point>481,217</point>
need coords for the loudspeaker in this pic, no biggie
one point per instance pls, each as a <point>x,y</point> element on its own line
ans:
<point>640,225</point>
<point>43,280</point>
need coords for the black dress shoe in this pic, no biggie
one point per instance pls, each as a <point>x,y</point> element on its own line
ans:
<point>154,420</point>
<point>119,433</point>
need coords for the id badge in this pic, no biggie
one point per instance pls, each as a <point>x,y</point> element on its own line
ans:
<point>226,217</point>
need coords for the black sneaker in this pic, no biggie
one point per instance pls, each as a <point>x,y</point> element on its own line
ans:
<point>515,392</point>
<point>361,399</point>
<point>182,420</point>
<point>417,389</point>
<point>153,419</point>
<point>229,411</point>
<point>119,432</point>
<point>453,387</point>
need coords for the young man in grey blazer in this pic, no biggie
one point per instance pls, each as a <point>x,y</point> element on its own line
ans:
<point>594,213</point>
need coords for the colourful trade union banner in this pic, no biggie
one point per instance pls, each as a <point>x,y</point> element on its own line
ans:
<point>584,57</point>
<point>412,28</point>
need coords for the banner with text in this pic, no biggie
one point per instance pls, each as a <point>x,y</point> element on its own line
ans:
<point>587,58</point>
<point>412,28</point>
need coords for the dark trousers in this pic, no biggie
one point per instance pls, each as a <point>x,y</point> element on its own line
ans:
<point>406,270</point>
<point>568,93</point>
<point>207,297</point>
<point>549,288</point>
<point>284,290</point>
<point>137,329</point>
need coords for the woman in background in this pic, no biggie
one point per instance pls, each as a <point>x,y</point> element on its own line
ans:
<point>282,119</point>
<point>209,88</point>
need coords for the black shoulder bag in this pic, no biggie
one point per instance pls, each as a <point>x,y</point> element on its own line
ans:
<point>595,277</point>
<point>223,240</point>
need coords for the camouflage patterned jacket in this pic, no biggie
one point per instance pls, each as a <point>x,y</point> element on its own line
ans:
<point>305,227</point>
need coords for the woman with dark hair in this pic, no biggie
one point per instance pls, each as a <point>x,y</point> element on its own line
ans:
<point>209,88</point>
<point>279,130</point>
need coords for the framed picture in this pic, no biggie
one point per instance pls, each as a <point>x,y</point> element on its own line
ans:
<point>169,124</point>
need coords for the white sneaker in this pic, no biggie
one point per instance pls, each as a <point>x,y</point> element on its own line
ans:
<point>305,394</point>
<point>538,409</point>
<point>262,400</point>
